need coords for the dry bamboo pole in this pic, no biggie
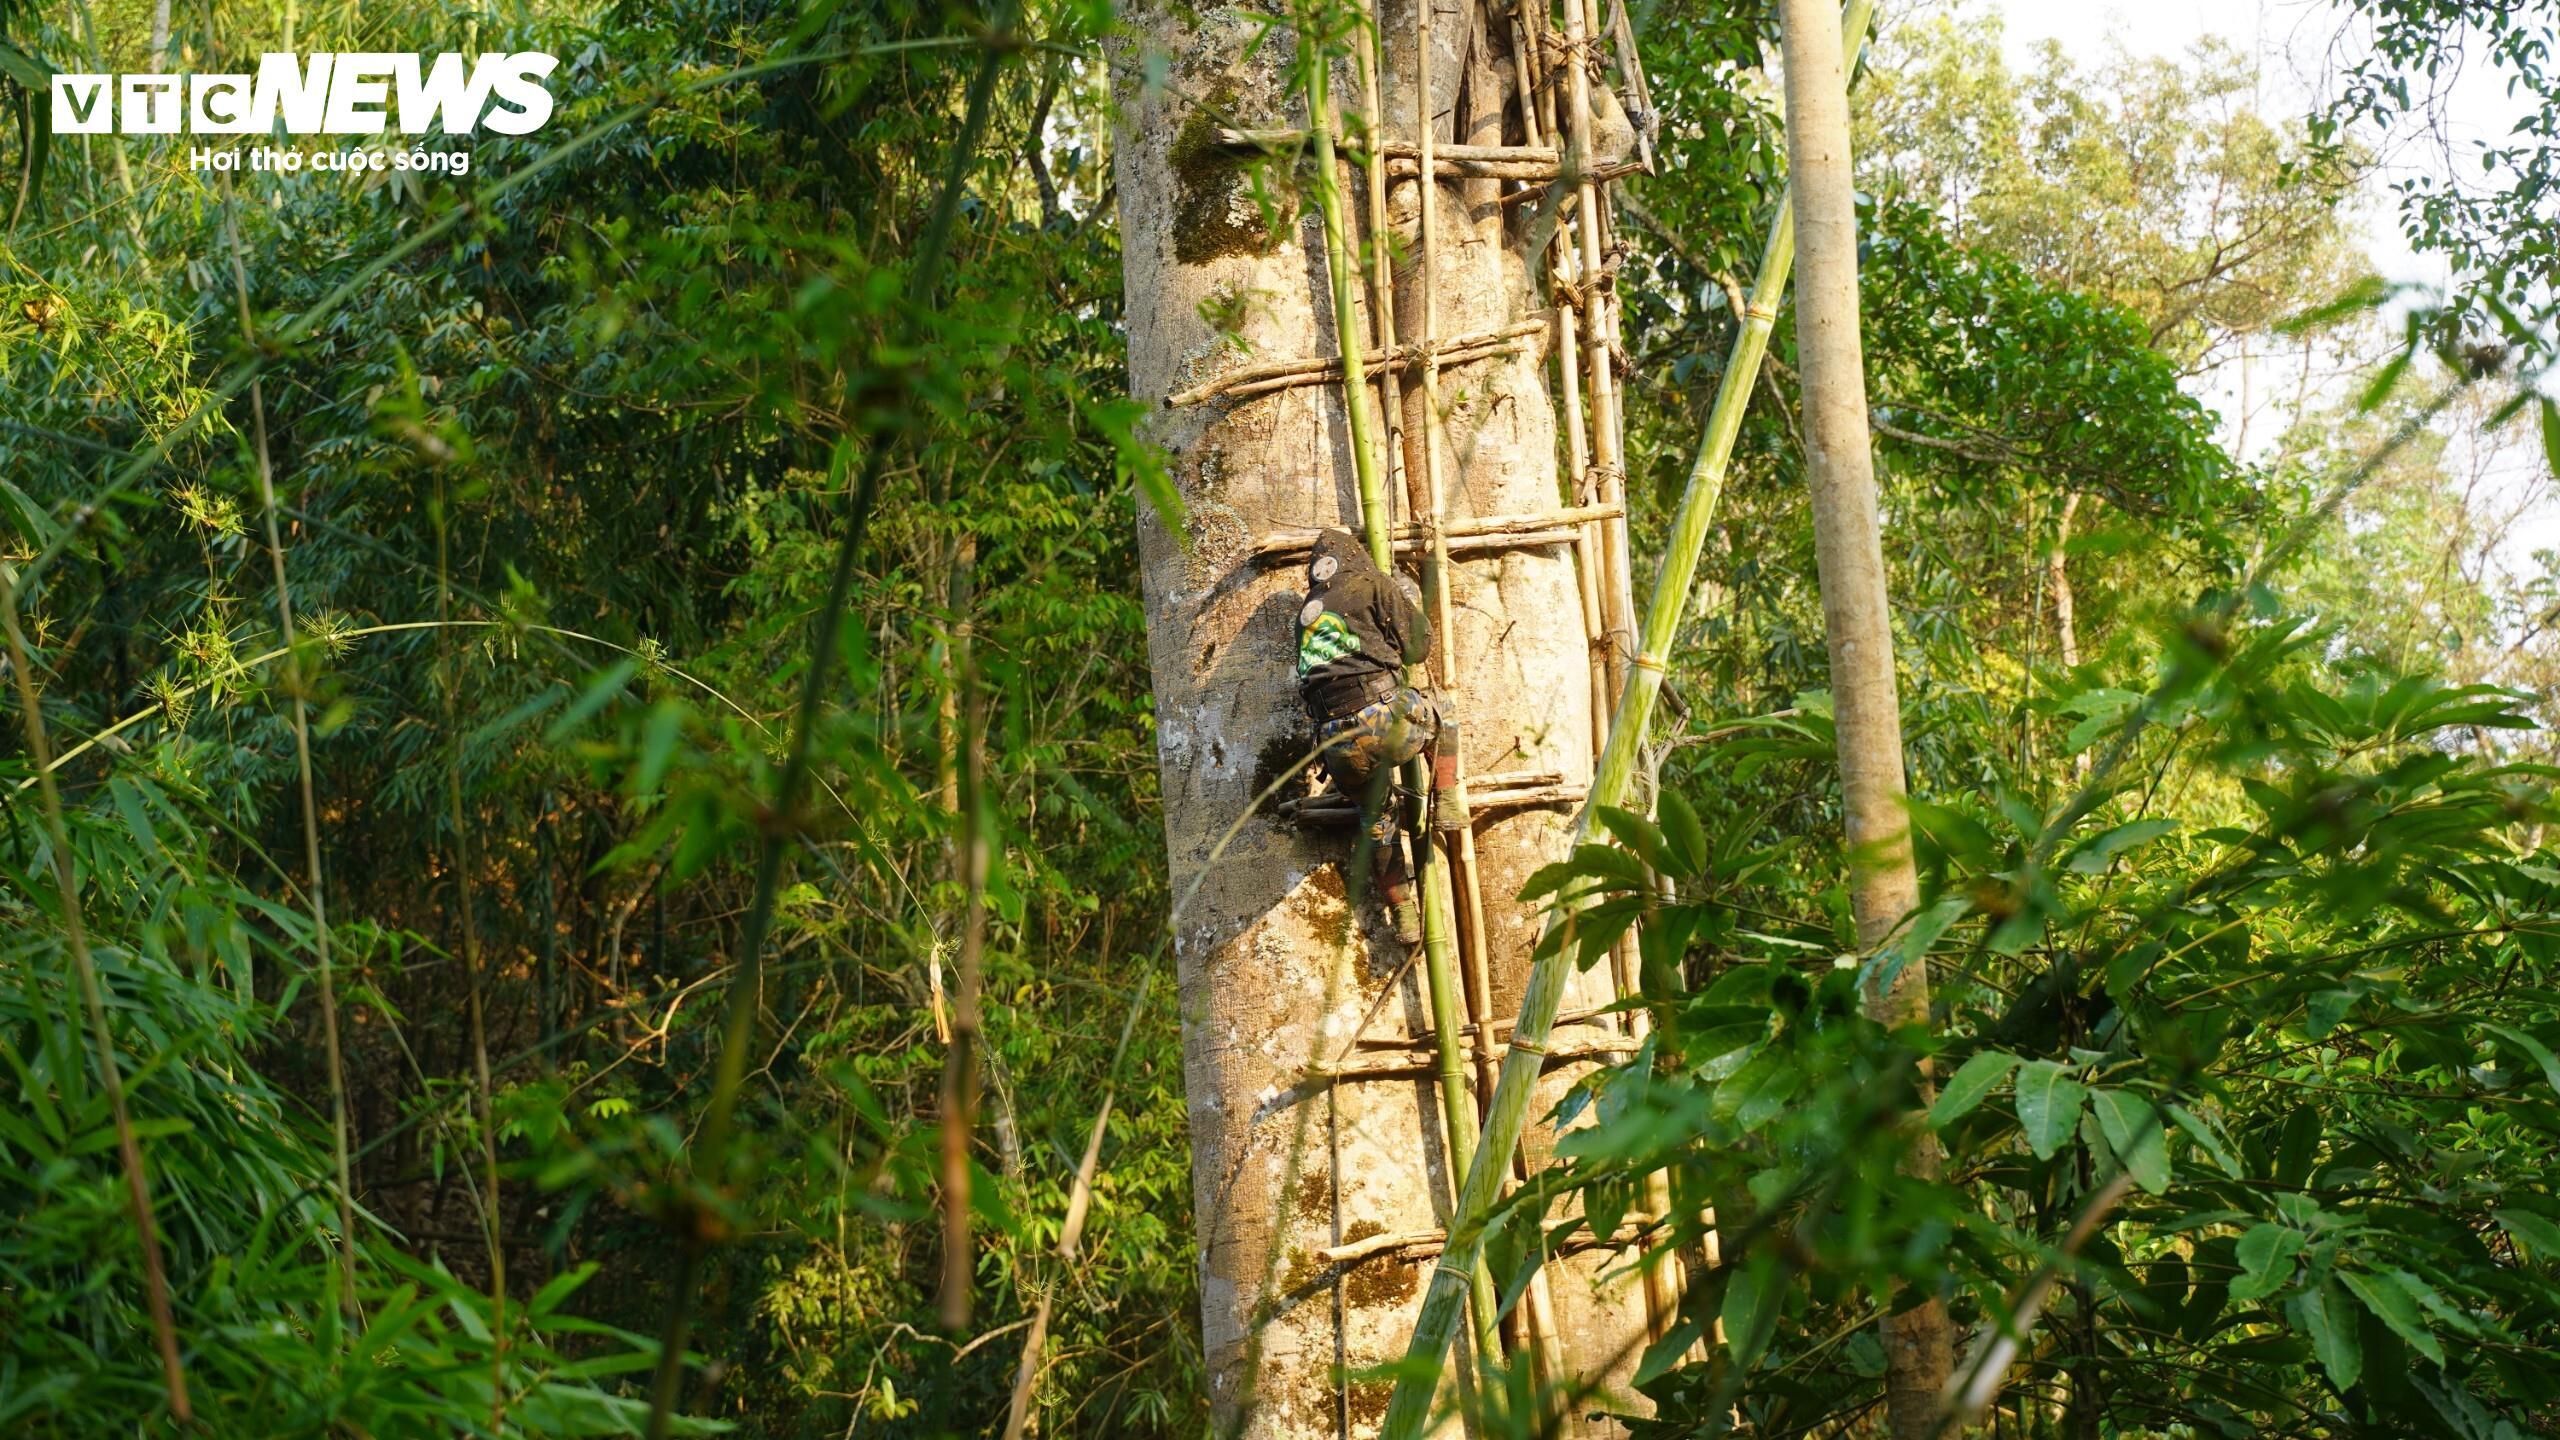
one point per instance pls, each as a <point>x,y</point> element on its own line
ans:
<point>1447,877</point>
<point>1537,114</point>
<point>970,857</point>
<point>1458,1111</point>
<point>75,933</point>
<point>1026,1372</point>
<point>1455,857</point>
<point>1281,141</point>
<point>1606,487</point>
<point>1382,295</point>
<point>1411,1404</point>
<point>1537,1308</point>
<point>1606,477</point>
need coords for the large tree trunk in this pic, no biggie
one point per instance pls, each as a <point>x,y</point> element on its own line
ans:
<point>1272,977</point>
<point>1856,611</point>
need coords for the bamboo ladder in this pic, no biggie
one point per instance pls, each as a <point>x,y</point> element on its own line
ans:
<point>1590,519</point>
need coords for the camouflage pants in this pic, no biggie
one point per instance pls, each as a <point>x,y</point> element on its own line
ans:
<point>1379,736</point>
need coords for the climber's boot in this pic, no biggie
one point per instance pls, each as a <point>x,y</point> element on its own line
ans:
<point>1407,915</point>
<point>1448,799</point>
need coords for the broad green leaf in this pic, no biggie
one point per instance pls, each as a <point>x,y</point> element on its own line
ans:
<point>600,692</point>
<point>1681,827</point>
<point>2327,1318</point>
<point>2266,1261</point>
<point>2386,379</point>
<point>2133,1126</point>
<point>2202,1132</point>
<point>1641,837</point>
<point>1752,1301</point>
<point>2297,1147</point>
<point>2533,1232</point>
<point>1973,1080</point>
<point>2048,1105</point>
<point>2397,1308</point>
<point>2540,1053</point>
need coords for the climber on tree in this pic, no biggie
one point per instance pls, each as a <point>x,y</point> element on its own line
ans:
<point>1356,634</point>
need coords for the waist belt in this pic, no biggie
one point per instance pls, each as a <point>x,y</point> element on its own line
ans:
<point>1336,697</point>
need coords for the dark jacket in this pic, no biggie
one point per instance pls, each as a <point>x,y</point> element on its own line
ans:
<point>1356,632</point>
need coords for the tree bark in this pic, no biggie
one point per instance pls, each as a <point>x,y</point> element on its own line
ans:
<point>1276,973</point>
<point>1857,616</point>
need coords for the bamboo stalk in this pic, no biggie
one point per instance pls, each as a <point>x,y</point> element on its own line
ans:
<point>1457,1111</point>
<point>297,690</point>
<point>1417,538</point>
<point>1500,1029</point>
<point>1424,1059</point>
<point>1411,1403</point>
<point>1607,475</point>
<point>75,931</point>
<point>738,1022</point>
<point>1326,810</point>
<point>1026,1373</point>
<point>960,1062</point>
<point>475,976</point>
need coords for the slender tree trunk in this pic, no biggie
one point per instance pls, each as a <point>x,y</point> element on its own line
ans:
<point>1857,617</point>
<point>2066,622</point>
<point>1276,972</point>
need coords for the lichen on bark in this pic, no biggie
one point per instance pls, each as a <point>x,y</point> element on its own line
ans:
<point>1220,206</point>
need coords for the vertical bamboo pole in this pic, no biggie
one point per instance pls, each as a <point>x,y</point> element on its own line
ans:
<point>1536,1314</point>
<point>1458,859</point>
<point>1537,108</point>
<point>1607,484</point>
<point>1457,1108</point>
<point>75,935</point>
<point>1382,295</point>
<point>1606,478</point>
<point>1411,1404</point>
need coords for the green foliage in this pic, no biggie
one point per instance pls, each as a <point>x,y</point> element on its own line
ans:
<point>182,944</point>
<point>608,381</point>
<point>2311,1015</point>
<point>2488,209</point>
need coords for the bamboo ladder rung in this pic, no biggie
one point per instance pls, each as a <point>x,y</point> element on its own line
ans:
<point>1427,1244</point>
<point>1283,140</point>
<point>1489,532</point>
<point>1264,376</point>
<point>1407,1065</point>
<point>1484,796</point>
<point>1501,1028</point>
